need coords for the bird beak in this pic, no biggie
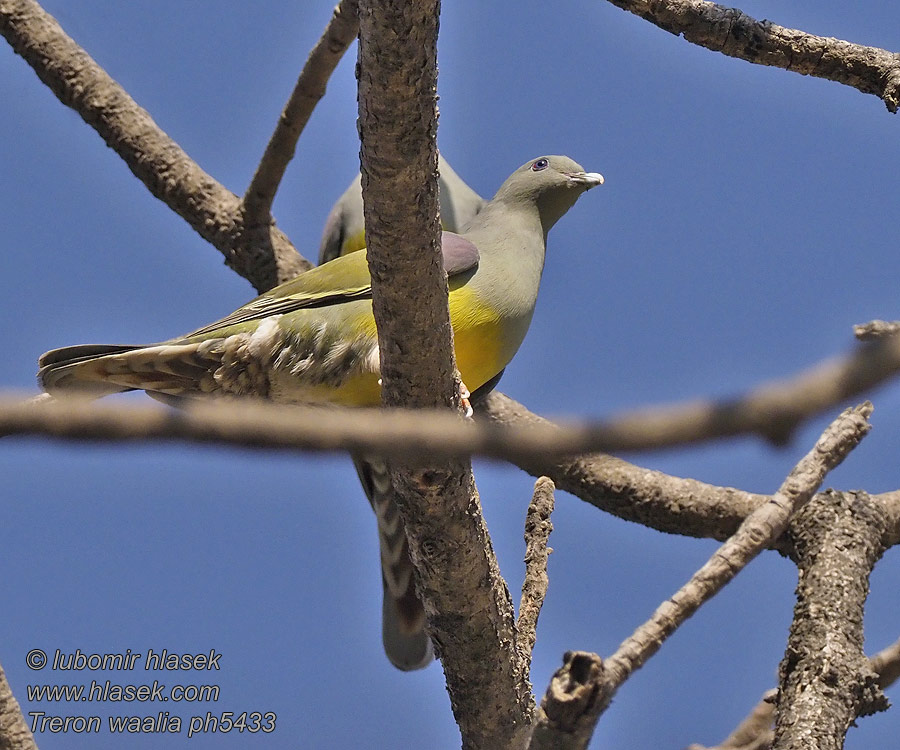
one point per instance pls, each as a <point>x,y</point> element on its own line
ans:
<point>588,179</point>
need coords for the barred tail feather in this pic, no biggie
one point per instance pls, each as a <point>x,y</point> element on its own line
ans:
<point>406,643</point>
<point>101,370</point>
<point>69,368</point>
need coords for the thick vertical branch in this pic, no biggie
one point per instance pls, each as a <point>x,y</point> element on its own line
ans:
<point>826,681</point>
<point>470,614</point>
<point>398,131</point>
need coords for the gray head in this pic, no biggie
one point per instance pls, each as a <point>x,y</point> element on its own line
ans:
<point>552,183</point>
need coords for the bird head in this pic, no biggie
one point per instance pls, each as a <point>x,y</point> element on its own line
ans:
<point>551,183</point>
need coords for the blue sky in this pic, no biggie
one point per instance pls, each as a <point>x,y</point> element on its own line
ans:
<point>745,225</point>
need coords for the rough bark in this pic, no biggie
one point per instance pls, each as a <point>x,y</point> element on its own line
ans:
<point>825,679</point>
<point>469,610</point>
<point>734,33</point>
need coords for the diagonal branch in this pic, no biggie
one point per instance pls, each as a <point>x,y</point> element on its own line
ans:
<point>259,252</point>
<point>733,33</point>
<point>773,410</point>
<point>650,498</point>
<point>310,87</point>
<point>757,532</point>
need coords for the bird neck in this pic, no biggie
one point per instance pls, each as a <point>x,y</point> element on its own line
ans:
<point>511,241</point>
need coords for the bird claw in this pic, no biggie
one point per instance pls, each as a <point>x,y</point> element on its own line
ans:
<point>464,402</point>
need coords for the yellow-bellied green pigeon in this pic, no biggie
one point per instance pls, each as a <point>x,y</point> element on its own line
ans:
<point>344,229</point>
<point>313,340</point>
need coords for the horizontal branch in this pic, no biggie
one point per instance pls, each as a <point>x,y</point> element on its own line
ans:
<point>654,499</point>
<point>730,31</point>
<point>407,434</point>
<point>259,252</point>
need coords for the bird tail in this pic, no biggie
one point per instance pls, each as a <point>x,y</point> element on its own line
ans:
<point>79,368</point>
<point>406,643</point>
<point>99,370</point>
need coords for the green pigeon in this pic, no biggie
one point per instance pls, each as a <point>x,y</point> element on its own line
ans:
<point>313,340</point>
<point>344,229</point>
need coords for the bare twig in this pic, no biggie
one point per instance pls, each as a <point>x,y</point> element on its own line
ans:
<point>825,680</point>
<point>534,588</point>
<point>310,87</point>
<point>758,531</point>
<point>733,33</point>
<point>886,664</point>
<point>262,254</point>
<point>14,731</point>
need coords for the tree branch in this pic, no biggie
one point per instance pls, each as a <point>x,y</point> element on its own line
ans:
<point>14,731</point>
<point>650,498</point>
<point>733,33</point>
<point>825,680</point>
<point>310,87</point>
<point>563,720</point>
<point>875,329</point>
<point>757,532</point>
<point>534,588</point>
<point>468,607</point>
<point>260,252</point>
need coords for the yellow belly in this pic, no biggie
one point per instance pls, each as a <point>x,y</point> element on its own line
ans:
<point>483,342</point>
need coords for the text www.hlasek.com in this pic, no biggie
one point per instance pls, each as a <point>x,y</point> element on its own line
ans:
<point>109,691</point>
<point>102,692</point>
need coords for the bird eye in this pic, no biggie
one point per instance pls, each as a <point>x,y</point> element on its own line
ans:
<point>539,165</point>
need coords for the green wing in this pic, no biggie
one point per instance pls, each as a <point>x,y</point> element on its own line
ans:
<point>340,280</point>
